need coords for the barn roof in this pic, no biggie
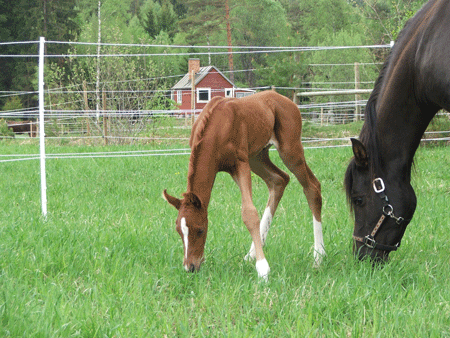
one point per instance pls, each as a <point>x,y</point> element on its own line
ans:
<point>185,82</point>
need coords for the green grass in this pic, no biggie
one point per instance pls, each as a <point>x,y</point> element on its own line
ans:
<point>107,262</point>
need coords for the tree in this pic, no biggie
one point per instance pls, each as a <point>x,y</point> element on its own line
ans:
<point>27,21</point>
<point>6,64</point>
<point>157,18</point>
<point>257,23</point>
<point>335,69</point>
<point>149,21</point>
<point>203,20</point>
<point>382,20</point>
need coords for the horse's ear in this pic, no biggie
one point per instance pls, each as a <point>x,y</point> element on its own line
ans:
<point>359,150</point>
<point>172,200</point>
<point>193,199</point>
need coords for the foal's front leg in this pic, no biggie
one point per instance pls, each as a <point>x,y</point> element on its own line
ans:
<point>242,177</point>
<point>276,181</point>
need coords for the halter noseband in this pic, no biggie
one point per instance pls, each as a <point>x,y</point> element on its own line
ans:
<point>388,210</point>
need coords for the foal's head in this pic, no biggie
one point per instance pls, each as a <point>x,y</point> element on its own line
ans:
<point>192,225</point>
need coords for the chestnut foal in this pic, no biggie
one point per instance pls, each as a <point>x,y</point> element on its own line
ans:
<point>234,135</point>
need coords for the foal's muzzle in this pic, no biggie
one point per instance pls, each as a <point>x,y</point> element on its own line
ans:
<point>193,266</point>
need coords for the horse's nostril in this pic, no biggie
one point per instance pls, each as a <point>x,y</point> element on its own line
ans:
<point>192,268</point>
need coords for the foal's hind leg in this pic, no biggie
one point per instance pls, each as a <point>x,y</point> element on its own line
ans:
<point>293,157</point>
<point>276,181</point>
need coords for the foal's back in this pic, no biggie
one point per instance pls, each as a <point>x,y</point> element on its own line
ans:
<point>246,123</point>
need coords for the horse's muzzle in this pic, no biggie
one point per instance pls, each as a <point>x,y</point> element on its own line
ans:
<point>363,252</point>
<point>193,266</point>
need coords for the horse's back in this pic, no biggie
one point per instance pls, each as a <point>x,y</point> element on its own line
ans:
<point>434,53</point>
<point>423,46</point>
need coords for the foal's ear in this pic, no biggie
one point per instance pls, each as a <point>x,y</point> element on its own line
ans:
<point>359,150</point>
<point>172,200</point>
<point>193,199</point>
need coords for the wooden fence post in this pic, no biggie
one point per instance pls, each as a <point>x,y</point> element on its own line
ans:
<point>357,96</point>
<point>105,119</point>
<point>86,108</point>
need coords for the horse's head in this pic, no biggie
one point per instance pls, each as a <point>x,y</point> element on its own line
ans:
<point>383,206</point>
<point>192,225</point>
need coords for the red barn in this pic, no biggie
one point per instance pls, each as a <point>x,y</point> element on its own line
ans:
<point>209,82</point>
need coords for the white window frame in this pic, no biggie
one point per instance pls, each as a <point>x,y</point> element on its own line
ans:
<point>179,96</point>
<point>208,90</point>
<point>229,92</point>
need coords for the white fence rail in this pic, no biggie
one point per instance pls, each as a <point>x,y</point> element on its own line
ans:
<point>107,125</point>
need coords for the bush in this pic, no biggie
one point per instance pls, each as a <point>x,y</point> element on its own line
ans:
<point>4,130</point>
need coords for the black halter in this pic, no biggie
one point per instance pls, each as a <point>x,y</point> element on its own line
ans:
<point>388,211</point>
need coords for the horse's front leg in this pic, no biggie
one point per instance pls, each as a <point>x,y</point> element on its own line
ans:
<point>242,177</point>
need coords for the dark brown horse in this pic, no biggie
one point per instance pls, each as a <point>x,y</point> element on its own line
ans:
<point>234,135</point>
<point>412,87</point>
<point>22,127</point>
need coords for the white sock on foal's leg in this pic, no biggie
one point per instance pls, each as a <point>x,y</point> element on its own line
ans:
<point>264,226</point>
<point>319,249</point>
<point>263,269</point>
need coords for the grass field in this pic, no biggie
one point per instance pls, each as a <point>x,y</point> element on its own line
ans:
<point>107,262</point>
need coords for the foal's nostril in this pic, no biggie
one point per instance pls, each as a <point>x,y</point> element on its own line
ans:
<point>192,268</point>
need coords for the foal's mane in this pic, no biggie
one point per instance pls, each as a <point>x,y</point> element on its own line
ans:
<point>203,120</point>
<point>198,132</point>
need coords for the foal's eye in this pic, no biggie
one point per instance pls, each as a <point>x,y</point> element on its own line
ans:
<point>200,232</point>
<point>358,201</point>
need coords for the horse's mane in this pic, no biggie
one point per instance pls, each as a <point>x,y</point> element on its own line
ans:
<point>198,131</point>
<point>368,135</point>
<point>200,125</point>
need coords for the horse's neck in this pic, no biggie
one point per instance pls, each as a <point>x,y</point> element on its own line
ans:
<point>202,172</point>
<point>399,129</point>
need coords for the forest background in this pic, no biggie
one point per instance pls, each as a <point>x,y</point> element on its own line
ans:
<point>180,27</point>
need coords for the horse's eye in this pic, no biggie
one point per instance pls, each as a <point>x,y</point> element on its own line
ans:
<point>358,201</point>
<point>200,232</point>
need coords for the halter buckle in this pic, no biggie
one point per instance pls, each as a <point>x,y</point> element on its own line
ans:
<point>378,185</point>
<point>369,241</point>
<point>388,210</point>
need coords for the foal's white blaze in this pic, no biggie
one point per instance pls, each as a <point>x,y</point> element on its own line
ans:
<point>185,232</point>
<point>319,249</point>
<point>264,226</point>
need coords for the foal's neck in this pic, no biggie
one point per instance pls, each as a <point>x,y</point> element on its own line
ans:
<point>202,172</point>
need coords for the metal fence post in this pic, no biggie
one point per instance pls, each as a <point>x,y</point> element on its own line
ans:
<point>41,127</point>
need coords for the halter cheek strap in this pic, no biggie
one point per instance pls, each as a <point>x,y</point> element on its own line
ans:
<point>388,211</point>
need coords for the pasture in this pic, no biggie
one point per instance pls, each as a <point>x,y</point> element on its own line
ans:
<point>107,262</point>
